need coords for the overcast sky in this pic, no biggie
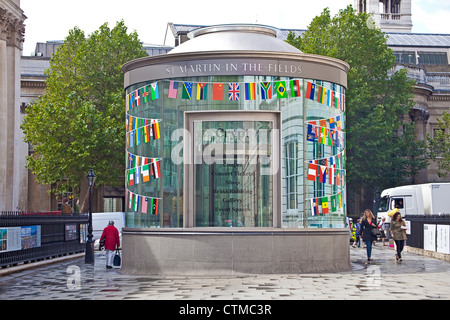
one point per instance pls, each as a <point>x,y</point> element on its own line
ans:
<point>52,19</point>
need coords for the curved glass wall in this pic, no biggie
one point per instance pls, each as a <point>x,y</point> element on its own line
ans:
<point>312,146</point>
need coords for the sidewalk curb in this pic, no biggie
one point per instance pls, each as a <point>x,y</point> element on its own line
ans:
<point>32,265</point>
<point>427,253</point>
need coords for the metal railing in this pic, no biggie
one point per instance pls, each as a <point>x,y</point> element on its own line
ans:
<point>33,236</point>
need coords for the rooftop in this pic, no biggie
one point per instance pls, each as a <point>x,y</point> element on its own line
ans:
<point>393,39</point>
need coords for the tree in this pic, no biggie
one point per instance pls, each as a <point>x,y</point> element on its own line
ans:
<point>381,148</point>
<point>439,145</point>
<point>79,122</point>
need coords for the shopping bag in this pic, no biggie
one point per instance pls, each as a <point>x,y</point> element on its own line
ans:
<point>117,259</point>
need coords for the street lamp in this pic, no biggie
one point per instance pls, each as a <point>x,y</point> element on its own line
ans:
<point>89,258</point>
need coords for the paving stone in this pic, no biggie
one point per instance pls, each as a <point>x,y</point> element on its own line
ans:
<point>417,277</point>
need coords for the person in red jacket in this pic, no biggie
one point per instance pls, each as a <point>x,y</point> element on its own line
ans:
<point>112,241</point>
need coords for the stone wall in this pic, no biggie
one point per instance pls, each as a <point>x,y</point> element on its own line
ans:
<point>234,251</point>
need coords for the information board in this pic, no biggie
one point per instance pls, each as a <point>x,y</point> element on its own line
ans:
<point>17,238</point>
<point>443,239</point>
<point>429,237</point>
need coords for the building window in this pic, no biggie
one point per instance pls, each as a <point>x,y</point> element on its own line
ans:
<point>407,57</point>
<point>439,58</point>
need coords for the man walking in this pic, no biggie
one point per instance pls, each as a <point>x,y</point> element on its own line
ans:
<point>112,241</point>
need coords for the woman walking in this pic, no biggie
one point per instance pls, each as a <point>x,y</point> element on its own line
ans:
<point>112,241</point>
<point>398,231</point>
<point>367,224</point>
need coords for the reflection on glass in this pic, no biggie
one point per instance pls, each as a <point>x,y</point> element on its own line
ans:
<point>233,187</point>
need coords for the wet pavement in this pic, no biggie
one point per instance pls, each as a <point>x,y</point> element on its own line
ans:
<point>417,277</point>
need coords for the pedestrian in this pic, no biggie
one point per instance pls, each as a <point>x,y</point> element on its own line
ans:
<point>398,232</point>
<point>66,208</point>
<point>352,229</point>
<point>382,228</point>
<point>367,225</point>
<point>357,234</point>
<point>112,241</point>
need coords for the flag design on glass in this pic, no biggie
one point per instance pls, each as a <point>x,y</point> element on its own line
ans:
<point>325,205</point>
<point>187,91</point>
<point>130,200</point>
<point>131,177</point>
<point>330,140</point>
<point>137,175</point>
<point>130,161</point>
<point>146,132</point>
<point>145,94</point>
<point>322,135</point>
<point>136,98</point>
<point>323,174</point>
<point>138,136</point>
<point>233,91</point>
<point>311,87</point>
<point>321,94</point>
<point>131,139</point>
<point>338,123</point>
<point>130,123</point>
<point>281,89</point>
<point>266,90</point>
<point>154,206</point>
<point>173,89</point>
<point>201,91</point>
<point>145,173</point>
<point>155,169</point>
<point>149,92</point>
<point>155,131</point>
<point>312,171</point>
<point>295,88</point>
<point>144,205</point>
<point>330,98</point>
<point>136,203</point>
<point>312,132</point>
<point>333,203</point>
<point>314,208</point>
<point>250,91</point>
<point>218,91</point>
<point>331,174</point>
<point>154,90</point>
<point>128,103</point>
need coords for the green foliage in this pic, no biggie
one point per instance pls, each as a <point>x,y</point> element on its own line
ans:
<point>439,145</point>
<point>381,148</point>
<point>79,122</point>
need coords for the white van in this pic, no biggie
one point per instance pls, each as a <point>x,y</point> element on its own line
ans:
<point>422,199</point>
<point>100,221</point>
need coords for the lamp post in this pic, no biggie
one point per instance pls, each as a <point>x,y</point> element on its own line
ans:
<point>89,258</point>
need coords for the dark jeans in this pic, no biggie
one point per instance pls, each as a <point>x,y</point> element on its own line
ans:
<point>399,244</point>
<point>369,249</point>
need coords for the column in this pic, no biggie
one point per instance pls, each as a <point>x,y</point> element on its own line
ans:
<point>11,38</point>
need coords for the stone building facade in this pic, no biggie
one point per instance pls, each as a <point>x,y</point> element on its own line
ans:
<point>12,148</point>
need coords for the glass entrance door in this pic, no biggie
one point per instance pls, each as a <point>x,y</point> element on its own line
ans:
<point>234,171</point>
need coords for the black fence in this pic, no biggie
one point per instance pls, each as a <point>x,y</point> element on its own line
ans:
<point>416,237</point>
<point>33,236</point>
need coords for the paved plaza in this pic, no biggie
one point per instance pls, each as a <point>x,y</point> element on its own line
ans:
<point>417,277</point>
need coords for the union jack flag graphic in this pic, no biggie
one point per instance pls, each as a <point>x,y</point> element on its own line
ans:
<point>233,91</point>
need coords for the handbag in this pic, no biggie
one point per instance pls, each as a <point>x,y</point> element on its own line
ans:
<point>117,259</point>
<point>375,232</point>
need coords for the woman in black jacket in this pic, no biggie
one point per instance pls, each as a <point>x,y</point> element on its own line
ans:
<point>367,224</point>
